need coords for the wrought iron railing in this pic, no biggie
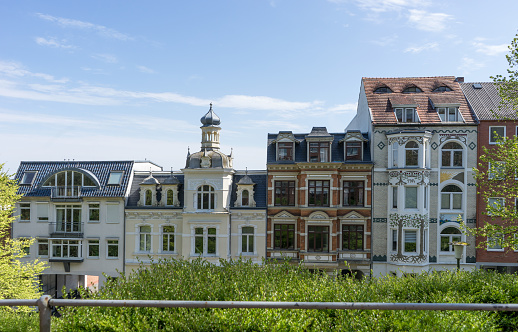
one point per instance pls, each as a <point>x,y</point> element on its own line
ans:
<point>66,229</point>
<point>65,192</point>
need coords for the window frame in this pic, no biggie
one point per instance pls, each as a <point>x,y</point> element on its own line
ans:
<point>490,134</point>
<point>350,146</point>
<point>492,175</point>
<point>23,180</point>
<point>110,243</point>
<point>68,243</point>
<point>394,197</point>
<point>245,199</point>
<point>165,239</point>
<point>322,154</point>
<point>289,148</point>
<point>145,239</point>
<point>112,181</point>
<point>448,111</point>
<point>43,242</point>
<point>91,208</point>
<point>93,243</point>
<point>358,193</point>
<point>25,209</point>
<point>405,111</point>
<point>206,235</point>
<point>496,247</point>
<point>409,152</point>
<point>325,198</point>
<point>451,195</point>
<point>323,231</point>
<point>501,199</point>
<point>353,235</point>
<point>450,237</point>
<point>279,234</point>
<point>451,153</point>
<point>405,232</point>
<point>284,190</point>
<point>245,241</point>
<point>416,197</point>
<point>206,195</point>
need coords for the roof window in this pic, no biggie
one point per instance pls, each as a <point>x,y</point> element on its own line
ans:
<point>28,177</point>
<point>115,178</point>
<point>442,89</point>
<point>383,89</point>
<point>412,89</point>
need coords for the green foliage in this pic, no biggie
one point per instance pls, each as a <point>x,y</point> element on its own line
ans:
<point>244,281</point>
<point>508,86</point>
<point>17,278</point>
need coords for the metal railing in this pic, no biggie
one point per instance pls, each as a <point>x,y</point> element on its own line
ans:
<point>66,229</point>
<point>45,302</point>
<point>65,192</point>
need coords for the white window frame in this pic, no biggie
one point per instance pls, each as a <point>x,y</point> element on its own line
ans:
<point>148,239</point>
<point>452,155</point>
<point>91,242</point>
<point>205,236</point>
<point>405,231</point>
<point>494,248</point>
<point>490,131</point>
<point>490,175</point>
<point>90,208</point>
<point>163,235</point>
<point>112,180</point>
<point>417,198</point>
<point>394,200</point>
<point>110,242</point>
<point>247,235</point>
<point>67,256</point>
<point>450,239</point>
<point>404,112</point>
<point>451,195</point>
<point>495,199</point>
<point>394,240</point>
<point>42,241</point>
<point>395,155</point>
<point>412,149</point>
<point>199,198</point>
<point>23,181</point>
<point>42,211</point>
<point>23,206</point>
<point>447,111</point>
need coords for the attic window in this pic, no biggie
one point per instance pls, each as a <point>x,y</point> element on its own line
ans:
<point>28,178</point>
<point>406,115</point>
<point>442,89</point>
<point>383,89</point>
<point>115,178</point>
<point>412,89</point>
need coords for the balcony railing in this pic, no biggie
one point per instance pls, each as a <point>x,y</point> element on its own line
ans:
<point>73,192</point>
<point>66,229</point>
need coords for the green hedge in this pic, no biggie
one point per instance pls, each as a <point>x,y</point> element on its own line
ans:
<point>244,281</point>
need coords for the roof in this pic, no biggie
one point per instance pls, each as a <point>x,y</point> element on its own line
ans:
<point>381,104</point>
<point>100,169</point>
<point>260,189</point>
<point>134,195</point>
<point>485,101</point>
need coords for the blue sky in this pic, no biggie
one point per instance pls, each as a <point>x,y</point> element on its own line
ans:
<point>124,80</point>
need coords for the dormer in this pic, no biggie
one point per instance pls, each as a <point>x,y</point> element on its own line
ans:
<point>245,192</point>
<point>285,146</point>
<point>148,189</point>
<point>405,109</point>
<point>353,145</point>
<point>319,145</point>
<point>447,108</point>
<point>170,192</point>
<point>68,183</point>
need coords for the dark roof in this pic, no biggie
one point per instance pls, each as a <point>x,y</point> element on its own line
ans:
<point>134,195</point>
<point>381,103</point>
<point>260,190</point>
<point>100,169</point>
<point>485,101</point>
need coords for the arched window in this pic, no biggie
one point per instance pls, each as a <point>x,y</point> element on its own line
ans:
<point>451,197</point>
<point>149,197</point>
<point>244,198</point>
<point>442,89</point>
<point>448,235</point>
<point>145,238</point>
<point>452,155</point>
<point>69,179</point>
<point>412,154</point>
<point>412,89</point>
<point>170,200</point>
<point>205,198</point>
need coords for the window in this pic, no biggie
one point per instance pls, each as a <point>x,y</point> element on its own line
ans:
<point>495,243</point>
<point>406,115</point>
<point>68,219</point>
<point>425,200</point>
<point>353,151</point>
<point>410,197</point>
<point>247,240</point>
<point>318,152</point>
<point>66,249</point>
<point>93,212</point>
<point>244,198</point>
<point>496,170</point>
<point>449,235</point>
<point>25,211</point>
<point>285,151</point>
<point>205,241</point>
<point>352,237</point>
<point>318,238</point>
<point>69,179</point>
<point>496,133</point>
<point>452,155</point>
<point>442,89</point>
<point>318,192</point>
<point>149,198</point>
<point>93,248</point>
<point>394,197</point>
<point>495,204</point>
<point>205,198</point>
<point>449,114</point>
<point>112,248</point>
<point>42,211</point>
<point>145,238</point>
<point>168,239</point>
<point>170,199</point>
<point>451,198</point>
<point>394,240</point>
<point>284,236</point>
<point>410,241</point>
<point>353,193</point>
<point>412,89</point>
<point>115,178</point>
<point>43,247</point>
<point>28,178</point>
<point>113,212</point>
<point>383,89</point>
<point>284,193</point>
<point>395,148</point>
<point>412,154</point>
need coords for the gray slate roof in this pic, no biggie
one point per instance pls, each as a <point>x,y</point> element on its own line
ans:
<point>485,101</point>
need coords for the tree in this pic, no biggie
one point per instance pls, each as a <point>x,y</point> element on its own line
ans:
<point>17,277</point>
<point>508,86</point>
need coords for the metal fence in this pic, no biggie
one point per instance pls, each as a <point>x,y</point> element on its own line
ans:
<point>45,302</point>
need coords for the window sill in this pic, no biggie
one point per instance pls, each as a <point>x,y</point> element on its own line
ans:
<point>24,221</point>
<point>112,257</point>
<point>94,221</point>
<point>95,257</point>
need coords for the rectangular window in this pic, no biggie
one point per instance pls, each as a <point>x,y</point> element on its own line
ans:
<point>496,170</point>
<point>353,151</point>
<point>449,114</point>
<point>113,214</point>
<point>25,211</point>
<point>93,248</point>
<point>93,212</point>
<point>205,242</point>
<point>28,178</point>
<point>145,238</point>
<point>168,238</point>
<point>394,240</point>
<point>495,243</point>
<point>425,201</point>
<point>352,237</point>
<point>353,193</point>
<point>284,193</point>
<point>112,248</point>
<point>68,219</point>
<point>211,241</point>
<point>496,133</point>
<point>410,241</point>
<point>42,211</point>
<point>318,192</point>
<point>318,238</point>
<point>406,115</point>
<point>43,247</point>
<point>394,197</point>
<point>318,152</point>
<point>284,236</point>
<point>115,178</point>
<point>495,204</point>
<point>285,151</point>
<point>395,149</point>
<point>66,249</point>
<point>247,240</point>
<point>198,240</point>
<point>410,197</point>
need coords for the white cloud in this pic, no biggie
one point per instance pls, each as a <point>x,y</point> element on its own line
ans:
<point>14,69</point>
<point>387,40</point>
<point>419,49</point>
<point>100,29</point>
<point>380,6</point>
<point>108,58</point>
<point>468,65</point>
<point>52,42</point>
<point>145,70</point>
<point>343,108</point>
<point>491,49</point>
<point>426,21</point>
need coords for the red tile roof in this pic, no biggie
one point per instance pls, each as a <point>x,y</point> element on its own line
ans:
<point>381,103</point>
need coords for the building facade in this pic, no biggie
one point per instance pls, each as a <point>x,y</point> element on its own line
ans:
<point>424,145</point>
<point>319,200</point>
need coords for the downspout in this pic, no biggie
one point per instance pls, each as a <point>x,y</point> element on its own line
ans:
<point>372,220</point>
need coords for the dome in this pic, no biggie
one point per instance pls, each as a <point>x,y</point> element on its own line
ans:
<point>245,180</point>
<point>171,180</point>
<point>210,119</point>
<point>209,159</point>
<point>150,180</point>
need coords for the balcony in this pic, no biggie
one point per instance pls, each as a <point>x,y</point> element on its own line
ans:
<point>66,193</point>
<point>66,229</point>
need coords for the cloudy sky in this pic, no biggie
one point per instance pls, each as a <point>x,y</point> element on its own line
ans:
<point>129,80</point>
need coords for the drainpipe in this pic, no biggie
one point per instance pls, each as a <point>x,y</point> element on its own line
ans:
<point>372,219</point>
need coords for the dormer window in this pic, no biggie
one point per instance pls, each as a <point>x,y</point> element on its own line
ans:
<point>383,89</point>
<point>406,115</point>
<point>115,178</point>
<point>28,178</point>
<point>412,89</point>
<point>353,150</point>
<point>285,151</point>
<point>443,88</point>
<point>318,152</point>
<point>449,114</point>
<point>245,198</point>
<point>69,178</point>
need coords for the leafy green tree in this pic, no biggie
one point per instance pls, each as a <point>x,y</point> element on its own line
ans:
<point>508,86</point>
<point>17,277</point>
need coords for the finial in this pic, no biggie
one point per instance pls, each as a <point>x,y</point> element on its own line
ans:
<point>210,107</point>
<point>246,170</point>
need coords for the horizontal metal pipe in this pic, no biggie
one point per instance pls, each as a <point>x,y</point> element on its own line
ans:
<point>18,303</point>
<point>286,305</point>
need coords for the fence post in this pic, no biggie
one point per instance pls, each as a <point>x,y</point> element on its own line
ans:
<point>44,308</point>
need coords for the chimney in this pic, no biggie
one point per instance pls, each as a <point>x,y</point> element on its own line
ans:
<point>459,79</point>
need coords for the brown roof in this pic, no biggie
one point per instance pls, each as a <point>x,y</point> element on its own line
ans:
<point>381,103</point>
